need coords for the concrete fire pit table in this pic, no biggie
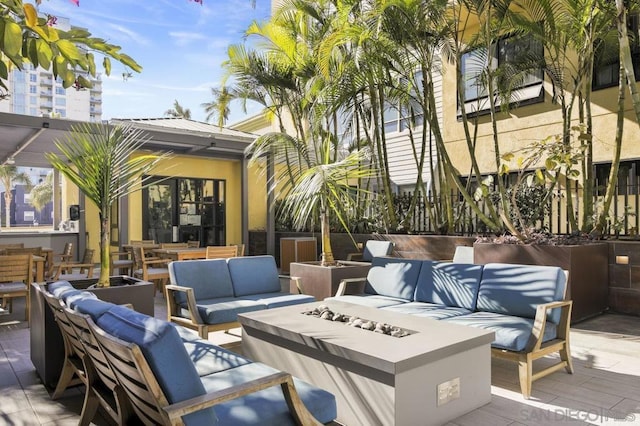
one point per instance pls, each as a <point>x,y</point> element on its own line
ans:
<point>438,372</point>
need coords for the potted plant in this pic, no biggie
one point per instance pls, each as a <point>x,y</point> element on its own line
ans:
<point>100,160</point>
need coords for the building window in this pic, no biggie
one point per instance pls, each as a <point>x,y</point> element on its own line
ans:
<point>61,113</point>
<point>606,64</point>
<point>33,89</point>
<point>628,178</point>
<point>60,91</point>
<point>508,50</point>
<point>33,100</point>
<point>33,111</point>
<point>397,118</point>
<point>33,78</point>
<point>61,102</point>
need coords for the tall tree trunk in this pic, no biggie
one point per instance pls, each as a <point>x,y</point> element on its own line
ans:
<point>327,253</point>
<point>7,205</point>
<point>625,56</point>
<point>615,163</point>
<point>103,281</point>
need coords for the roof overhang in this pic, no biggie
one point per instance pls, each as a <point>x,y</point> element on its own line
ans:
<point>25,139</point>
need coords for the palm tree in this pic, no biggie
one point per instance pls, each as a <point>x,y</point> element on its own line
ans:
<point>218,107</point>
<point>178,111</point>
<point>9,175</point>
<point>101,161</point>
<point>42,193</point>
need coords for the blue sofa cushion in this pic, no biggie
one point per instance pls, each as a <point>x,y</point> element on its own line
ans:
<point>208,278</point>
<point>253,275</point>
<point>518,289</point>
<point>449,284</point>
<point>393,277</point>
<point>165,354</point>
<point>512,332</point>
<point>427,310</point>
<point>224,309</point>
<point>93,307</point>
<point>375,248</point>
<point>267,407</point>
<point>279,299</point>
<point>371,300</point>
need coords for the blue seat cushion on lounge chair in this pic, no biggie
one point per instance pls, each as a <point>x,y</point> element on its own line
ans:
<point>519,289</point>
<point>208,278</point>
<point>72,299</point>
<point>225,309</point>
<point>93,307</point>
<point>253,275</point>
<point>58,287</point>
<point>374,248</point>
<point>393,277</point>
<point>207,357</point>
<point>512,332</point>
<point>165,354</point>
<point>267,407</point>
<point>449,284</point>
<point>371,300</point>
<point>279,299</point>
<point>428,310</point>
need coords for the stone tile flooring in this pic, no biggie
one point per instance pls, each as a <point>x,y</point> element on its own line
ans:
<point>605,388</point>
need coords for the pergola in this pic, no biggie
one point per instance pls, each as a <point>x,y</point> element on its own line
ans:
<point>25,139</point>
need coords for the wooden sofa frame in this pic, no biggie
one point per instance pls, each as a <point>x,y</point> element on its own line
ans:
<point>535,348</point>
<point>195,321</point>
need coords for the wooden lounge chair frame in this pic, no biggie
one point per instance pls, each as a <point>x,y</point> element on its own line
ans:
<point>84,363</point>
<point>150,403</point>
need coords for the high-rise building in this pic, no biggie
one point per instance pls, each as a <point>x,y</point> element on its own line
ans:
<point>34,91</point>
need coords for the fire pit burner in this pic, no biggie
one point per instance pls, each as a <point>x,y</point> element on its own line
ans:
<point>323,311</point>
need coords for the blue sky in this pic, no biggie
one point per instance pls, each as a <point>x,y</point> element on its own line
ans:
<point>180,45</point>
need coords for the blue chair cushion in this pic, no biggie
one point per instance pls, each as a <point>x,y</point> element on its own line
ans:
<point>207,357</point>
<point>163,349</point>
<point>375,248</point>
<point>267,407</point>
<point>93,307</point>
<point>225,309</point>
<point>73,298</point>
<point>279,299</point>
<point>512,332</point>
<point>253,275</point>
<point>427,310</point>
<point>58,287</point>
<point>371,300</point>
<point>393,277</point>
<point>449,284</point>
<point>518,289</point>
<point>208,278</point>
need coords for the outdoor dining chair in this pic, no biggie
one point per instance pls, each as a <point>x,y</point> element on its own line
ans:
<point>221,252</point>
<point>16,275</point>
<point>150,268</point>
<point>67,271</point>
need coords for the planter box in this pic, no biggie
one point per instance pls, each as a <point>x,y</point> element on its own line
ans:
<point>47,347</point>
<point>587,265</point>
<point>323,281</point>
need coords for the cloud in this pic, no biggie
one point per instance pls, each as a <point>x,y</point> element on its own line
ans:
<point>123,33</point>
<point>184,38</point>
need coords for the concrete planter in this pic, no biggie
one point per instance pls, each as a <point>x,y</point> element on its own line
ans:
<point>587,265</point>
<point>47,348</point>
<point>323,281</point>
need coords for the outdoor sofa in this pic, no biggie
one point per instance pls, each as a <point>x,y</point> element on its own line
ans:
<point>207,295</point>
<point>524,305</point>
<point>171,376</point>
